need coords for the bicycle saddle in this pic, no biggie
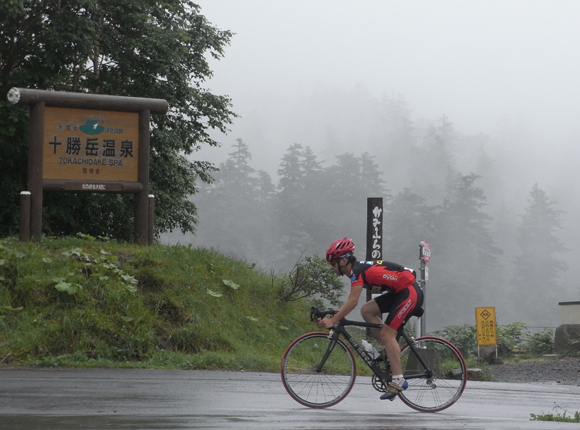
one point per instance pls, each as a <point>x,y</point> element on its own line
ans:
<point>418,312</point>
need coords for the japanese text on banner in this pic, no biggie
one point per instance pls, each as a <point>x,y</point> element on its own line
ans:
<point>485,324</point>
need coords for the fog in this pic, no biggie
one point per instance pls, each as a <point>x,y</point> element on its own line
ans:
<point>480,63</point>
<point>504,73</point>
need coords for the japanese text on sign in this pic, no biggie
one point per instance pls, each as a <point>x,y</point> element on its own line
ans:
<point>376,252</point>
<point>486,328</point>
<point>90,145</point>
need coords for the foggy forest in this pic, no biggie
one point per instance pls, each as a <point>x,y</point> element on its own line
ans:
<point>460,118</point>
<point>495,241</point>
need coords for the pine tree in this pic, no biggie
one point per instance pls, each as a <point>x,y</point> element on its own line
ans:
<point>312,200</point>
<point>437,165</point>
<point>266,241</point>
<point>408,220</point>
<point>229,207</point>
<point>467,258</point>
<point>397,140</point>
<point>288,207</point>
<point>538,287</point>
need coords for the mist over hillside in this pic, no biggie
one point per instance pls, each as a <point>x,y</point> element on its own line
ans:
<point>464,113</point>
<point>470,196</point>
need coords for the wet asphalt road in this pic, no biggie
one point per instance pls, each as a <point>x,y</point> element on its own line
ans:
<point>94,399</point>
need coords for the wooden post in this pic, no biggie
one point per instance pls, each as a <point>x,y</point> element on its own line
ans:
<point>24,233</point>
<point>35,136</point>
<point>142,197</point>
<point>151,217</point>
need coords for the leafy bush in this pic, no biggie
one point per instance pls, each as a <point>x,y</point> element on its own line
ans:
<point>311,277</point>
<point>512,336</point>
<point>540,343</point>
<point>463,337</point>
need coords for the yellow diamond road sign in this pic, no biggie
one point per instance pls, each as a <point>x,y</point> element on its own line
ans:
<point>485,324</point>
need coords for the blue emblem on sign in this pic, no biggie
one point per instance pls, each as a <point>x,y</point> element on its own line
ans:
<point>92,126</point>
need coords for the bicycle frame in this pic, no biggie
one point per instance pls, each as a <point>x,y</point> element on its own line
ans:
<point>372,364</point>
<point>430,363</point>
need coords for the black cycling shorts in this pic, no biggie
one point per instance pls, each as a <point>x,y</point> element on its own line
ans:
<point>400,306</point>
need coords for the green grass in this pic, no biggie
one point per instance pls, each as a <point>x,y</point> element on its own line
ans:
<point>88,303</point>
<point>557,416</point>
<point>82,302</point>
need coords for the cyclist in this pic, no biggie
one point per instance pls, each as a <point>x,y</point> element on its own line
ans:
<point>405,296</point>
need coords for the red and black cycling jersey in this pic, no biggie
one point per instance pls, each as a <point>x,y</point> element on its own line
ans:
<point>383,274</point>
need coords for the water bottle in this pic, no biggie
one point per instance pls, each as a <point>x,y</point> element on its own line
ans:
<point>371,351</point>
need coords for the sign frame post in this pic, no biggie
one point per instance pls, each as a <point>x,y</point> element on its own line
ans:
<point>87,106</point>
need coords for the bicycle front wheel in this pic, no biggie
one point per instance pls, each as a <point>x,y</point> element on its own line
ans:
<point>311,382</point>
<point>445,379</point>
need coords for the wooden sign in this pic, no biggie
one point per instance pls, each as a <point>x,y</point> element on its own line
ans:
<point>90,145</point>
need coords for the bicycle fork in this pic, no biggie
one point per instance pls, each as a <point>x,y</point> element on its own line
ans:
<point>333,336</point>
<point>412,344</point>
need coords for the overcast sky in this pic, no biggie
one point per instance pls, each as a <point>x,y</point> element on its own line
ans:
<point>475,61</point>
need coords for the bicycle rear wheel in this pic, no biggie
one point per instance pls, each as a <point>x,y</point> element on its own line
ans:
<point>308,385</point>
<point>446,381</point>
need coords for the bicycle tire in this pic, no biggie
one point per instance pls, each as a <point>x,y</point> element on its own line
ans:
<point>448,380</point>
<point>313,388</point>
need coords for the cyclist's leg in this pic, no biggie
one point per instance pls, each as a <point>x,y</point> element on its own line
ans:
<point>371,313</point>
<point>401,309</point>
<point>398,383</point>
<point>389,340</point>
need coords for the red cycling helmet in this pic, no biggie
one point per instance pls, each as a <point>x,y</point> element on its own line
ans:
<point>339,248</point>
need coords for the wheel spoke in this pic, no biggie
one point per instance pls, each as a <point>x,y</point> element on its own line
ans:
<point>317,389</point>
<point>448,380</point>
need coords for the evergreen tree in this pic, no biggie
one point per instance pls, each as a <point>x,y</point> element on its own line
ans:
<point>435,164</point>
<point>492,181</point>
<point>302,216</point>
<point>266,241</point>
<point>350,182</point>
<point>398,141</point>
<point>229,208</point>
<point>537,284</point>
<point>407,222</point>
<point>291,182</point>
<point>467,258</point>
<point>266,190</point>
<point>294,241</point>
<point>127,48</point>
<point>371,176</point>
<point>346,194</point>
<point>312,201</point>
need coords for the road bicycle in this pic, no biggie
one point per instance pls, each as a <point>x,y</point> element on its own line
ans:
<point>319,369</point>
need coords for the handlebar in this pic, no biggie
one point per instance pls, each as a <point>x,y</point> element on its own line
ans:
<point>316,314</point>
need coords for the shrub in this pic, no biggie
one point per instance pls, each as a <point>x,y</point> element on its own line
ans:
<point>512,336</point>
<point>540,343</point>
<point>463,337</point>
<point>311,277</point>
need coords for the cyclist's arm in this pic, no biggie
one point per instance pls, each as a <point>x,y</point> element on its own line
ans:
<point>345,309</point>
